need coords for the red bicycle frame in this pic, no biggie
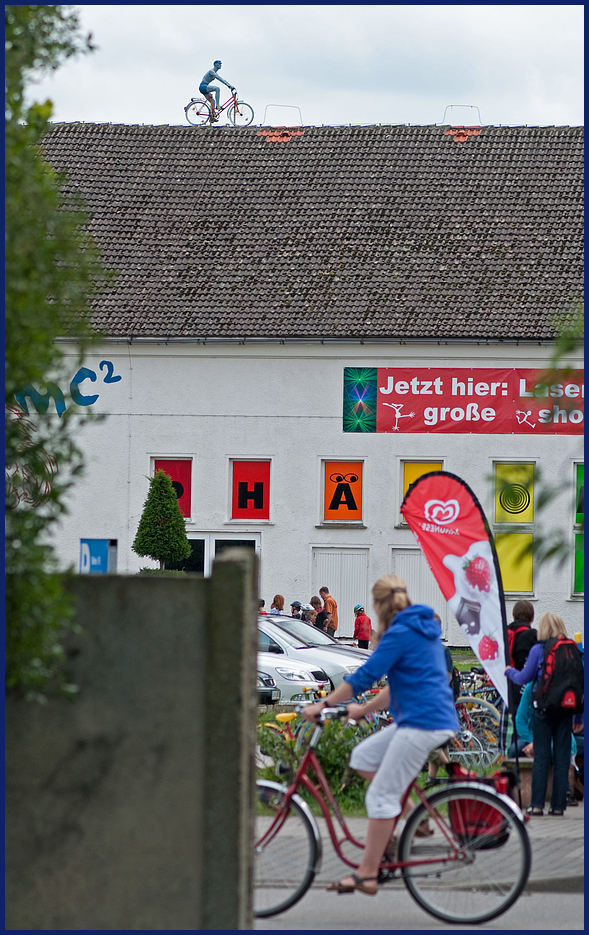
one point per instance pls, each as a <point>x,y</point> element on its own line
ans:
<point>302,779</point>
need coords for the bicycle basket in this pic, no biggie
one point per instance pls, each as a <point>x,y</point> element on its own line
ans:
<point>476,823</point>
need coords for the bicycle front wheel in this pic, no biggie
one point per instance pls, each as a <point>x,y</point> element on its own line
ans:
<point>475,864</point>
<point>287,851</point>
<point>198,113</point>
<point>240,114</point>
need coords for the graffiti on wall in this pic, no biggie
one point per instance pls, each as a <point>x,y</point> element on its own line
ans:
<point>41,401</point>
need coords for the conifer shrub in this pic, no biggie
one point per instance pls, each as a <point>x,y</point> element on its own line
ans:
<point>161,534</point>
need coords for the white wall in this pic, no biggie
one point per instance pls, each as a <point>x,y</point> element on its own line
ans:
<point>219,401</point>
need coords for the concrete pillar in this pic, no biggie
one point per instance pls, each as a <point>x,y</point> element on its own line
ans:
<point>129,808</point>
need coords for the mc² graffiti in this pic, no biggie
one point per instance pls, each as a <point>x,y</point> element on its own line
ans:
<point>41,401</point>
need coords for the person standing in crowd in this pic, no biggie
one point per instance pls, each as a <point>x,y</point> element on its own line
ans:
<point>308,614</point>
<point>521,639</point>
<point>321,617</point>
<point>548,728</point>
<point>330,608</point>
<point>261,605</point>
<point>362,627</point>
<point>295,609</point>
<point>277,606</point>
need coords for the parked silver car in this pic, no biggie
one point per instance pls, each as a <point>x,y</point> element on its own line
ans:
<point>291,677</point>
<point>316,637</point>
<point>336,662</point>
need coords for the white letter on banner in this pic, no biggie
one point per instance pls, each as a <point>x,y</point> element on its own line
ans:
<point>522,389</point>
<point>390,385</point>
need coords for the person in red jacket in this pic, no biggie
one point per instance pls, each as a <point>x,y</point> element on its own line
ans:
<point>362,627</point>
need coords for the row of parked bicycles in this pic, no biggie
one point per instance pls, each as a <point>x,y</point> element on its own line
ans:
<point>475,860</point>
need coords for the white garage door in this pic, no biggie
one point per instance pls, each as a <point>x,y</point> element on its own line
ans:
<point>423,588</point>
<point>345,573</point>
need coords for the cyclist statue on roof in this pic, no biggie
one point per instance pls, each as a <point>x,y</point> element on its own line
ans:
<point>208,89</point>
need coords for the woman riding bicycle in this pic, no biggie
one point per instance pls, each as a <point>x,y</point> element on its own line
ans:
<point>410,653</point>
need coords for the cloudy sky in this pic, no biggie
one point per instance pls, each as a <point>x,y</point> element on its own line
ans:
<point>338,64</point>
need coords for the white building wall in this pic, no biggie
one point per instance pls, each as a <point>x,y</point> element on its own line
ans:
<point>220,401</point>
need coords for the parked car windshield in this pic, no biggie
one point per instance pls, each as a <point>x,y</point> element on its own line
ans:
<point>306,631</point>
<point>295,641</point>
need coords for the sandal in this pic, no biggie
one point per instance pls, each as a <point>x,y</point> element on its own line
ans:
<point>534,810</point>
<point>340,887</point>
<point>556,811</point>
<point>423,829</point>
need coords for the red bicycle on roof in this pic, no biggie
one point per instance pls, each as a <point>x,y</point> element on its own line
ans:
<point>200,112</point>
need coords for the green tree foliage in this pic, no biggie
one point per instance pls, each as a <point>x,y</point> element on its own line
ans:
<point>51,270</point>
<point>161,534</point>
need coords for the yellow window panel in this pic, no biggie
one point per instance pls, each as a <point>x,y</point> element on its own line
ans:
<point>514,493</point>
<point>414,469</point>
<point>515,561</point>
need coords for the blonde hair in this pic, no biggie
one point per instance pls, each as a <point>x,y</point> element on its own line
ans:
<point>390,596</point>
<point>278,602</point>
<point>550,624</point>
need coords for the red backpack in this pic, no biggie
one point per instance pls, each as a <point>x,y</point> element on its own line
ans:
<point>561,684</point>
<point>511,635</point>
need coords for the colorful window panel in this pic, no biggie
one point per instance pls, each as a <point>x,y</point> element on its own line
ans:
<point>342,500</point>
<point>180,472</point>
<point>414,469</point>
<point>250,490</point>
<point>514,493</point>
<point>515,561</point>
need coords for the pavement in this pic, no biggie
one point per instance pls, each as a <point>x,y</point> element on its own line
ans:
<point>553,899</point>
<point>557,852</point>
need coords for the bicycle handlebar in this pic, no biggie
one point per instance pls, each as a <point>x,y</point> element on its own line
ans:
<point>329,714</point>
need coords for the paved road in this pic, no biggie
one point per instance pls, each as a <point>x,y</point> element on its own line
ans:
<point>553,899</point>
<point>319,911</point>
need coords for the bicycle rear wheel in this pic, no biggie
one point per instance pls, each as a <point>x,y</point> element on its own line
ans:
<point>240,114</point>
<point>287,851</point>
<point>198,113</point>
<point>475,864</point>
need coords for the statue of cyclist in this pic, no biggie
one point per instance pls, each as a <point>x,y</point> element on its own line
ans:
<point>207,89</point>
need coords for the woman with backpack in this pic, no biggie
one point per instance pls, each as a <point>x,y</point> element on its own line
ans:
<point>553,723</point>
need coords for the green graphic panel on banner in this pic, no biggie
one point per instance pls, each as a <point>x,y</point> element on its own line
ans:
<point>359,399</point>
<point>579,587</point>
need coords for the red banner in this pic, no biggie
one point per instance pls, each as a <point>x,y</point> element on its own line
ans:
<point>478,400</point>
<point>452,531</point>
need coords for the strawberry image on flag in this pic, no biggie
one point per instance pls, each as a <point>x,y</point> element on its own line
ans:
<point>450,526</point>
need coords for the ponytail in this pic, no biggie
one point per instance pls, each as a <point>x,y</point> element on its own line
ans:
<point>390,597</point>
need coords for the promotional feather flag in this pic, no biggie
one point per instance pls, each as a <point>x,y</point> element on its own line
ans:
<point>452,530</point>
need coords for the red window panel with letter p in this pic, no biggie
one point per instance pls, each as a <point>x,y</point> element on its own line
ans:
<point>251,490</point>
<point>180,473</point>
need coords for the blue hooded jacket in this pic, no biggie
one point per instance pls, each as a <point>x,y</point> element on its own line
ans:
<point>410,653</point>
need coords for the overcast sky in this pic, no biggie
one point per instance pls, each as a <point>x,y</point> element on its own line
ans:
<point>338,64</point>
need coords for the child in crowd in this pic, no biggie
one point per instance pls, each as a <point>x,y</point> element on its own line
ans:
<point>362,627</point>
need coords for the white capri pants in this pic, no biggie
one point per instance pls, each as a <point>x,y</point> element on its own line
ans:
<point>397,755</point>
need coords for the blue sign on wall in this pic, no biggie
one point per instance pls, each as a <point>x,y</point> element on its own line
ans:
<point>98,556</point>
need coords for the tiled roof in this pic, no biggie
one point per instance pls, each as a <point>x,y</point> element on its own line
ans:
<point>331,232</point>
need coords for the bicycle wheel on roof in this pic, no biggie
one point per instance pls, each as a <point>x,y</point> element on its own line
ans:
<point>240,114</point>
<point>198,113</point>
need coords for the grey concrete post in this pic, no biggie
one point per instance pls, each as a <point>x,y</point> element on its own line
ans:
<point>110,799</point>
<point>232,710</point>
